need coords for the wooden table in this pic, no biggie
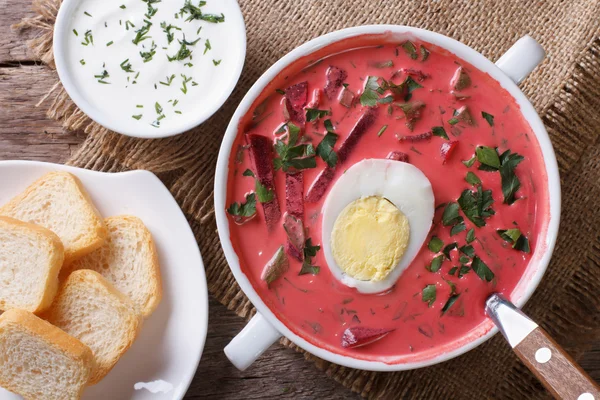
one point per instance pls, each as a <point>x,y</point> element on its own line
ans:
<point>26,134</point>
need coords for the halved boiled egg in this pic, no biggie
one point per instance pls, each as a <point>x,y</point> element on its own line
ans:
<point>375,219</point>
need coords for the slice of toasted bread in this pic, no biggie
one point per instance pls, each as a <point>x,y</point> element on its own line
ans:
<point>89,308</point>
<point>30,259</point>
<point>40,361</point>
<point>129,261</point>
<point>58,201</point>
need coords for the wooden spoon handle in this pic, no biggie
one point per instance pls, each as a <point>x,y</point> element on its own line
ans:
<point>557,371</point>
<point>540,353</point>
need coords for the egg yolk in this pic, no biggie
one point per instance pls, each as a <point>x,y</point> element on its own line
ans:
<point>369,238</point>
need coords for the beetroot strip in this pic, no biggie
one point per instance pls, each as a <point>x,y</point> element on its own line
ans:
<point>320,185</point>
<point>296,98</point>
<point>261,153</point>
<point>335,78</point>
<point>416,138</point>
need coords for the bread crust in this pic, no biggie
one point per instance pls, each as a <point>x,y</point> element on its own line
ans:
<point>97,233</point>
<point>55,258</point>
<point>53,336</point>
<point>133,319</point>
<point>155,281</point>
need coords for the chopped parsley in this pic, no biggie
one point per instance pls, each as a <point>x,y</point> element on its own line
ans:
<point>410,49</point>
<point>325,149</point>
<point>476,205</point>
<point>514,236</point>
<point>482,270</point>
<point>435,244</point>
<point>312,114</point>
<point>246,210</point>
<point>451,300</point>
<point>488,117</point>
<point>505,163</point>
<point>472,179</point>
<point>309,252</point>
<point>292,155</point>
<point>440,131</point>
<point>436,264</point>
<point>471,235</point>
<point>429,294</point>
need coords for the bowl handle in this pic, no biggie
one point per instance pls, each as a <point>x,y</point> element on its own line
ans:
<point>256,337</point>
<point>521,59</point>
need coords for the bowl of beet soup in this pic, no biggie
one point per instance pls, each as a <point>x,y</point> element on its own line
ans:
<point>343,102</point>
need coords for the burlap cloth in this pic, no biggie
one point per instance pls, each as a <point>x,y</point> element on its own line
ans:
<point>565,90</point>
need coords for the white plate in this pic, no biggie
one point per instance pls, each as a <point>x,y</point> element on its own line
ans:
<point>172,339</point>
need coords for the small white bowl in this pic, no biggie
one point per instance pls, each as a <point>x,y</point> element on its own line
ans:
<point>265,328</point>
<point>233,29</point>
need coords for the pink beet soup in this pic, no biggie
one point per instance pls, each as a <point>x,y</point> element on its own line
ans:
<point>439,113</point>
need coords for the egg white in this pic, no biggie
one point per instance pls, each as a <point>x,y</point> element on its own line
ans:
<point>405,186</point>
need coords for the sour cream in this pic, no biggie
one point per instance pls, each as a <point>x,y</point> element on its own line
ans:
<point>152,67</point>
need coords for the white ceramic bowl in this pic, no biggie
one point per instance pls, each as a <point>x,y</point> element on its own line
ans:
<point>165,356</point>
<point>514,66</point>
<point>234,32</point>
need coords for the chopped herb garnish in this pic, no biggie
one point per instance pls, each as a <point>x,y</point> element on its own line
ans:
<point>139,106</point>
<point>128,24</point>
<point>167,29</point>
<point>370,96</point>
<point>138,117</point>
<point>110,43</point>
<point>436,264</point>
<point>453,121</point>
<point>435,244</point>
<point>383,128</point>
<point>142,33</point>
<point>245,210</point>
<point>169,80</point>
<point>424,53</point>
<point>451,216</point>
<point>207,46</point>
<point>101,77</point>
<point>440,131</point>
<point>88,38</point>
<point>122,6</point>
<point>82,61</point>
<point>263,194</point>
<point>217,62</point>
<point>196,13</point>
<point>292,155</point>
<point>488,117</point>
<point>87,13</point>
<point>325,149</point>
<point>383,64</point>
<point>482,270</point>
<point>312,114</point>
<point>477,205</point>
<point>514,236</point>
<point>148,55</point>
<point>328,126</point>
<point>126,66</point>
<point>184,83</point>
<point>472,179</point>
<point>488,156</point>
<point>459,227</point>
<point>428,295</point>
<point>410,49</point>
<point>309,251</point>
<point>451,300</point>
<point>158,108</point>
<point>471,235</point>
<point>467,250</point>
<point>448,248</point>
<point>75,32</point>
<point>181,54</point>
<point>280,91</point>
<point>469,163</point>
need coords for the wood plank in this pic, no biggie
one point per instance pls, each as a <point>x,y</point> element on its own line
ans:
<point>12,41</point>
<point>25,131</point>
<point>280,372</point>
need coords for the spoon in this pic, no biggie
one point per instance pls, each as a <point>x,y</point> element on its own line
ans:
<point>549,362</point>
